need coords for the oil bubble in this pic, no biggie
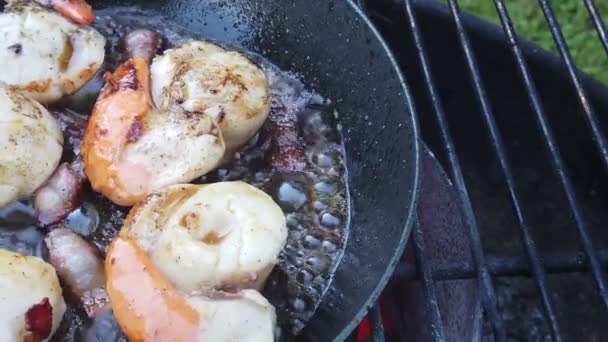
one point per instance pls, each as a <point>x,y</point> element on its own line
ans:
<point>329,246</point>
<point>291,197</point>
<point>319,206</point>
<point>328,220</point>
<point>326,188</point>
<point>311,242</point>
<point>298,304</point>
<point>304,277</point>
<point>317,264</point>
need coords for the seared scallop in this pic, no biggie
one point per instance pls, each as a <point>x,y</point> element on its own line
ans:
<point>131,149</point>
<point>31,304</point>
<point>30,145</point>
<point>204,103</point>
<point>244,316</point>
<point>44,55</point>
<point>204,78</point>
<point>148,307</point>
<point>220,236</point>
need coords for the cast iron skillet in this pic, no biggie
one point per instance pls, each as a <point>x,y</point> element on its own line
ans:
<point>335,49</point>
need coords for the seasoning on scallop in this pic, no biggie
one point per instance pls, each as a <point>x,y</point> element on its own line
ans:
<point>131,149</point>
<point>223,236</point>
<point>30,145</point>
<point>204,78</point>
<point>32,301</point>
<point>44,54</point>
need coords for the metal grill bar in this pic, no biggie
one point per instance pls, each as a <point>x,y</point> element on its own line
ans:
<point>556,158</point>
<point>497,141</point>
<point>500,266</point>
<point>598,136</point>
<point>488,292</point>
<point>428,288</point>
<point>598,23</point>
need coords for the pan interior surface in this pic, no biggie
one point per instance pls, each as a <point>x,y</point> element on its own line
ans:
<point>334,50</point>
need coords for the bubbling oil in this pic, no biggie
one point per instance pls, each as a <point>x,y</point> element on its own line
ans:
<point>313,198</point>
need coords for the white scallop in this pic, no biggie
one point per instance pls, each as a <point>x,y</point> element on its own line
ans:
<point>217,236</point>
<point>25,281</point>
<point>175,148</point>
<point>203,77</point>
<point>244,317</point>
<point>35,46</point>
<point>30,145</point>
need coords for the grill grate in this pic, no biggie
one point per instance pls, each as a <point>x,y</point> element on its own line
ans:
<point>598,23</point>
<point>532,264</point>
<point>432,309</point>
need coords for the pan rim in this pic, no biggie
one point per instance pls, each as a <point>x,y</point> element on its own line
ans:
<point>412,200</point>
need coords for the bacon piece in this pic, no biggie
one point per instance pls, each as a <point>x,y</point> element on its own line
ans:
<point>142,43</point>
<point>286,149</point>
<point>80,267</point>
<point>60,195</point>
<point>39,321</point>
<point>72,125</point>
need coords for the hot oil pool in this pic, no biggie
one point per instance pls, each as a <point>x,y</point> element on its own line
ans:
<point>297,158</point>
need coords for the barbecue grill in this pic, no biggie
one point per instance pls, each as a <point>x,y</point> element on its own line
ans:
<point>520,134</point>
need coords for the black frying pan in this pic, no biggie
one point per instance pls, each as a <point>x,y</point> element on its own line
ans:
<point>338,53</point>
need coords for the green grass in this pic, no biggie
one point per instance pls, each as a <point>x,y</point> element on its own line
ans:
<point>577,27</point>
